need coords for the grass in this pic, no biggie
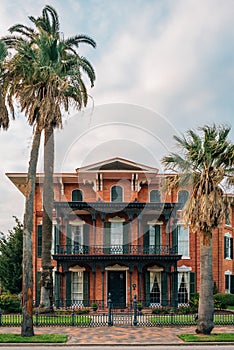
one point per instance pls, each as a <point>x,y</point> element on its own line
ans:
<point>65,320</point>
<point>188,319</point>
<point>40,338</point>
<point>230,307</point>
<point>216,337</point>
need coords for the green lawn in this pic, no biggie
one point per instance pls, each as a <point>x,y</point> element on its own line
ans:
<point>48,320</point>
<point>216,337</point>
<point>188,319</point>
<point>40,338</point>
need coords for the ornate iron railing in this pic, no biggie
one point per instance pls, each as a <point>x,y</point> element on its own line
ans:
<point>127,249</point>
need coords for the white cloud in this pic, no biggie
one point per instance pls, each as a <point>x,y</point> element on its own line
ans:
<point>175,57</point>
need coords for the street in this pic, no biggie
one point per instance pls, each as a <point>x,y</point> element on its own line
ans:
<point>111,347</point>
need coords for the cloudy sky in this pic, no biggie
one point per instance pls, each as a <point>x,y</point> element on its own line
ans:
<point>162,66</point>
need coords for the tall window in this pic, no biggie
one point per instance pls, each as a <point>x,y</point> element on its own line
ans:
<point>228,246</point>
<point>155,196</point>
<point>77,288</point>
<point>229,282</point>
<point>116,238</point>
<point>77,196</point>
<point>183,241</point>
<point>155,288</point>
<point>116,194</point>
<point>182,198</point>
<point>183,287</point>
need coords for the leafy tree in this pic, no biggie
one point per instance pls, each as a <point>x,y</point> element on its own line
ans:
<point>11,251</point>
<point>204,159</point>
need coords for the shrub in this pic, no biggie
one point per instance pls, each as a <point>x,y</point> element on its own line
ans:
<point>10,303</point>
<point>223,300</point>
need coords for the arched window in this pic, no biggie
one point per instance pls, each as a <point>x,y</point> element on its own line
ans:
<point>77,196</point>
<point>182,198</point>
<point>155,196</point>
<point>116,194</point>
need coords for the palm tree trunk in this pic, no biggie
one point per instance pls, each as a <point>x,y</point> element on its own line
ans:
<point>27,297</point>
<point>206,302</point>
<point>46,298</point>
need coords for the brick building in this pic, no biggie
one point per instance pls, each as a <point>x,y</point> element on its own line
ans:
<point>117,231</point>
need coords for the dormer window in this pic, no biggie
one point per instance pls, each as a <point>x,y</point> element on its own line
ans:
<point>183,196</point>
<point>155,196</point>
<point>77,196</point>
<point>116,194</point>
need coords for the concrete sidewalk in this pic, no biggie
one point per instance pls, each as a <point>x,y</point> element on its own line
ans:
<point>119,335</point>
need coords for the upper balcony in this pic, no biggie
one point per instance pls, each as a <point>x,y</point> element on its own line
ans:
<point>128,249</point>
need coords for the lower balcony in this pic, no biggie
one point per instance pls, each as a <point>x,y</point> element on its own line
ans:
<point>127,249</point>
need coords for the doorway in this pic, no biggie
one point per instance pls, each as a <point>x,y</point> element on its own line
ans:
<point>117,288</point>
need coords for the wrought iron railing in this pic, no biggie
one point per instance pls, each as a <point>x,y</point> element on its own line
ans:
<point>112,317</point>
<point>126,249</point>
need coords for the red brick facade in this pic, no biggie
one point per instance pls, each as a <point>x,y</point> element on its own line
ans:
<point>125,240</point>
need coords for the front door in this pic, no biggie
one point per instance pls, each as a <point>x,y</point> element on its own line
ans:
<point>117,287</point>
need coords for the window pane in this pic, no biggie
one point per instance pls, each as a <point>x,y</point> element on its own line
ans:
<point>116,194</point>
<point>183,241</point>
<point>77,196</point>
<point>155,196</point>
<point>182,198</point>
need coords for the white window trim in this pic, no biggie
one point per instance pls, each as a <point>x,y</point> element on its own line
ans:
<point>228,235</point>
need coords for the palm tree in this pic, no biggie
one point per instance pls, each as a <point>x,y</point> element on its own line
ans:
<point>4,118</point>
<point>204,160</point>
<point>45,75</point>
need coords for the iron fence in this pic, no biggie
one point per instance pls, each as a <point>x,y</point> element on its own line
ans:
<point>134,317</point>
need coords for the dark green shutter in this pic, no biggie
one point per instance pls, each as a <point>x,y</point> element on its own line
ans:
<point>192,283</point>
<point>68,289</point>
<point>231,242</point>
<point>174,280</point>
<point>107,237</point>
<point>125,237</point>
<point>157,238</point>
<point>68,240</point>
<point>232,284</point>
<point>225,248</point>
<point>38,291</point>
<point>86,239</point>
<point>146,240</point>
<point>164,289</point>
<point>175,239</point>
<point>147,288</point>
<point>86,288</point>
<point>39,240</point>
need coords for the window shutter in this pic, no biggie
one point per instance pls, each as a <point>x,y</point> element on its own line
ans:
<point>107,238</point>
<point>68,240</point>
<point>175,238</point>
<point>164,288</point>
<point>227,282</point>
<point>86,288</point>
<point>38,292</point>
<point>231,243</point>
<point>192,283</point>
<point>39,240</point>
<point>147,288</point>
<point>125,237</point>
<point>146,240</point>
<point>158,236</point>
<point>86,238</point>
<point>232,284</point>
<point>68,288</point>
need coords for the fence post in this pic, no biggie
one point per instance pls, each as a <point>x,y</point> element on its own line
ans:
<point>135,310</point>
<point>73,318</point>
<point>109,302</point>
<point>36,318</point>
